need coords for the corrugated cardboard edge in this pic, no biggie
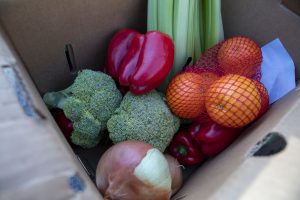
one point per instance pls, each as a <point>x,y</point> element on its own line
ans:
<point>233,175</point>
<point>57,173</point>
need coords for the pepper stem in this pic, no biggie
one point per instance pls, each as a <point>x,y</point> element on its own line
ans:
<point>182,150</point>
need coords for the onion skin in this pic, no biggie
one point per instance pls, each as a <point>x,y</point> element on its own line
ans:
<point>176,173</point>
<point>115,178</point>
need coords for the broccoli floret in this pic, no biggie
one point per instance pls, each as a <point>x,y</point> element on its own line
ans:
<point>84,141</point>
<point>89,102</point>
<point>73,108</point>
<point>145,118</point>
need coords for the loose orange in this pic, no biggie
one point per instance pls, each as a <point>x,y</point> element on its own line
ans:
<point>233,101</point>
<point>240,55</point>
<point>186,93</point>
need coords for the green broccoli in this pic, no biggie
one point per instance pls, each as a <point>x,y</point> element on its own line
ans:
<point>145,118</point>
<point>89,102</point>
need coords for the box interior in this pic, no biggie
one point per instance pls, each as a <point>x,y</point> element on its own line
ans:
<point>39,31</point>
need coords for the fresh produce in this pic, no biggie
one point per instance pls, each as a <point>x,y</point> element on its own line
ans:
<point>89,102</point>
<point>117,50</point>
<point>185,149</point>
<point>152,15</point>
<point>135,170</point>
<point>139,61</point>
<point>213,26</point>
<point>186,93</point>
<point>240,55</point>
<point>198,21</point>
<point>65,125</point>
<point>233,101</point>
<point>145,118</point>
<point>176,173</point>
<point>264,95</point>
<point>201,140</point>
<point>180,35</point>
<point>207,62</point>
<point>211,137</point>
<point>164,16</point>
<point>194,26</point>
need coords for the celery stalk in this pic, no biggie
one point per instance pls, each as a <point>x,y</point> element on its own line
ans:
<point>198,35</point>
<point>152,15</point>
<point>207,22</point>
<point>221,29</point>
<point>217,26</point>
<point>191,31</point>
<point>194,25</point>
<point>213,22</point>
<point>180,35</point>
<point>181,16</point>
<point>202,22</point>
<point>165,16</point>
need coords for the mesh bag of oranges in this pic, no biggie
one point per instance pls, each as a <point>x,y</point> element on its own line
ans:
<point>234,101</point>
<point>223,85</point>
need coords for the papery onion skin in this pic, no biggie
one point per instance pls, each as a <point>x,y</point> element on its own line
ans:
<point>115,178</point>
<point>176,173</point>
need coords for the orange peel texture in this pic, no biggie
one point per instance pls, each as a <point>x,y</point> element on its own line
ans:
<point>186,93</point>
<point>240,55</point>
<point>233,101</point>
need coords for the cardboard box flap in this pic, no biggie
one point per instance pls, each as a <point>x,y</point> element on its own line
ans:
<point>34,157</point>
<point>234,174</point>
<point>40,29</point>
<point>273,178</point>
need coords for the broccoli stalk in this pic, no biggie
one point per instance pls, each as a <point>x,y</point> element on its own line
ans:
<point>89,102</point>
<point>146,118</point>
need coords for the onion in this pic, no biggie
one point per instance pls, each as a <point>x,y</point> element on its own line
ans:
<point>176,173</point>
<point>134,170</point>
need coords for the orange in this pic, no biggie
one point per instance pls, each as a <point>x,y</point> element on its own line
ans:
<point>240,55</point>
<point>264,95</point>
<point>185,93</point>
<point>233,101</point>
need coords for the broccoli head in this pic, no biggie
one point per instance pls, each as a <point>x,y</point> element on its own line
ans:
<point>145,118</point>
<point>89,102</point>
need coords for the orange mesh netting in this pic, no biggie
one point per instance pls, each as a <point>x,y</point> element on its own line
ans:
<point>186,93</point>
<point>240,55</point>
<point>243,100</point>
<point>209,62</point>
<point>233,101</point>
<point>264,95</point>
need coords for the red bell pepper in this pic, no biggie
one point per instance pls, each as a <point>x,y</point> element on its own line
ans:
<point>65,125</point>
<point>185,150</point>
<point>140,61</point>
<point>212,138</point>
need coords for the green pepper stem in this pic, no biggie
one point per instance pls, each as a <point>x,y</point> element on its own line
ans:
<point>182,150</point>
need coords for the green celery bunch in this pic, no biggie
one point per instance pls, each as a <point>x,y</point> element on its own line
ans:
<point>194,26</point>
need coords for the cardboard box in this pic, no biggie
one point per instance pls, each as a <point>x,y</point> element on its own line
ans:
<point>36,161</point>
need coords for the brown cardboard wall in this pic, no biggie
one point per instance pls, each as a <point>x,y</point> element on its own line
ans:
<point>293,5</point>
<point>39,29</point>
